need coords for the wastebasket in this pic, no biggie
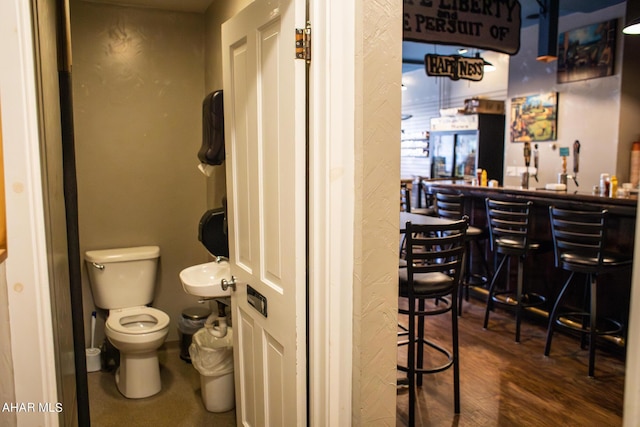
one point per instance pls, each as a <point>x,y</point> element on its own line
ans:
<point>192,319</point>
<point>213,359</point>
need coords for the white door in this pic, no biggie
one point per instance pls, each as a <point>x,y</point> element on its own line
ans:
<point>264,102</point>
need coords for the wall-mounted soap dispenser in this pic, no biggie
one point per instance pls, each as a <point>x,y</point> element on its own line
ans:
<point>212,150</point>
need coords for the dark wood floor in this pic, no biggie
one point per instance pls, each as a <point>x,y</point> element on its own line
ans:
<point>508,384</point>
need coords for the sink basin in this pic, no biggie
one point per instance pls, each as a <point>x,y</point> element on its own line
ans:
<point>203,280</point>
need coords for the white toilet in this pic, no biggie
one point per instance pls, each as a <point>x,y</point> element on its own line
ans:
<point>122,281</point>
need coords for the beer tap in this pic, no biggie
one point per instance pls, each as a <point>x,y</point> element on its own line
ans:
<point>527,162</point>
<point>576,161</point>
<point>536,154</point>
<point>564,152</point>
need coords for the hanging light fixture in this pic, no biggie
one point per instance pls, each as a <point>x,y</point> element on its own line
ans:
<point>633,27</point>
<point>548,30</point>
<point>487,66</point>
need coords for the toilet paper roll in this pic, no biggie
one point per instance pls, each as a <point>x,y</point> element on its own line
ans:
<point>206,169</point>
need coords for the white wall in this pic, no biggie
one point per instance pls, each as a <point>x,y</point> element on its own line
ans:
<point>588,110</point>
<point>32,349</point>
<point>7,389</point>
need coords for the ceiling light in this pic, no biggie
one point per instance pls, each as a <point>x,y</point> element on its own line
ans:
<point>548,30</point>
<point>462,51</point>
<point>488,66</point>
<point>633,28</point>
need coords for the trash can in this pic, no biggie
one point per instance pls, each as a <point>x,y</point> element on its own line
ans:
<point>213,359</point>
<point>192,319</point>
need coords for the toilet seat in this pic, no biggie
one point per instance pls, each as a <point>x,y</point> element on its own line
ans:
<point>137,320</point>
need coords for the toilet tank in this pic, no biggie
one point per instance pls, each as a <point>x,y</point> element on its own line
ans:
<point>122,277</point>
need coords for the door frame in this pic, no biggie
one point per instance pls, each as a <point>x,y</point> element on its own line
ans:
<point>355,94</point>
<point>331,213</point>
<point>27,278</point>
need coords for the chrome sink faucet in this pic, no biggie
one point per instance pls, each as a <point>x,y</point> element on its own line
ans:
<point>220,258</point>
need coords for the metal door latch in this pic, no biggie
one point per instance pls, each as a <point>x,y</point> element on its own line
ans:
<point>226,284</point>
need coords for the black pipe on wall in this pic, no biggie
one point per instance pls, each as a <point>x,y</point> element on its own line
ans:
<point>71,209</point>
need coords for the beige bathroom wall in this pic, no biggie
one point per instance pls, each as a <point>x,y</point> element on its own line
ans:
<point>138,82</point>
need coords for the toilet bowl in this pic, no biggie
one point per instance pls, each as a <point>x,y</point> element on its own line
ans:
<point>137,332</point>
<point>122,281</point>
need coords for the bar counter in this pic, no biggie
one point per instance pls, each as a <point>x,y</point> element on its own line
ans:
<point>541,276</point>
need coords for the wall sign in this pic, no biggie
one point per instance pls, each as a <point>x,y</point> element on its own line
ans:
<point>455,67</point>
<point>484,24</point>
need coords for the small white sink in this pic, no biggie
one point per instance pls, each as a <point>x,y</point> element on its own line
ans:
<point>204,280</point>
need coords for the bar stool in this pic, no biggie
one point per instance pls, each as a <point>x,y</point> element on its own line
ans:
<point>405,196</point>
<point>423,194</point>
<point>432,272</point>
<point>578,242</point>
<point>451,206</point>
<point>509,227</point>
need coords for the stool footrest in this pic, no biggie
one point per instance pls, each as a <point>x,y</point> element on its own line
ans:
<point>574,321</point>
<point>509,298</point>
<point>402,382</point>
<point>434,369</point>
<point>477,280</point>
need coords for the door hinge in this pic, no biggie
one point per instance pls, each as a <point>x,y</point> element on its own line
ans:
<point>303,43</point>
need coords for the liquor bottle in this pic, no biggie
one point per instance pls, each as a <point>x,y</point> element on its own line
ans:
<point>605,183</point>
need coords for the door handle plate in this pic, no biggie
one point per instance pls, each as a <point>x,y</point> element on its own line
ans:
<point>257,300</point>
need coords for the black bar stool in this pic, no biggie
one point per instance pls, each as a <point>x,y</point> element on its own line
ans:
<point>509,228</point>
<point>578,241</point>
<point>422,193</point>
<point>451,206</point>
<point>405,196</point>
<point>432,272</point>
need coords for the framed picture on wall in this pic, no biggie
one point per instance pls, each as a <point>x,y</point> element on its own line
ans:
<point>534,118</point>
<point>587,52</point>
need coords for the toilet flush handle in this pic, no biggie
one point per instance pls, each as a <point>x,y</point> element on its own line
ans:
<point>98,266</point>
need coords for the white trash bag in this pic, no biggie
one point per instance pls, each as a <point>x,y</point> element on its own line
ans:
<point>212,356</point>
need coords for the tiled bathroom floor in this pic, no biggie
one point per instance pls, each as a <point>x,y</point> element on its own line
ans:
<point>178,404</point>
